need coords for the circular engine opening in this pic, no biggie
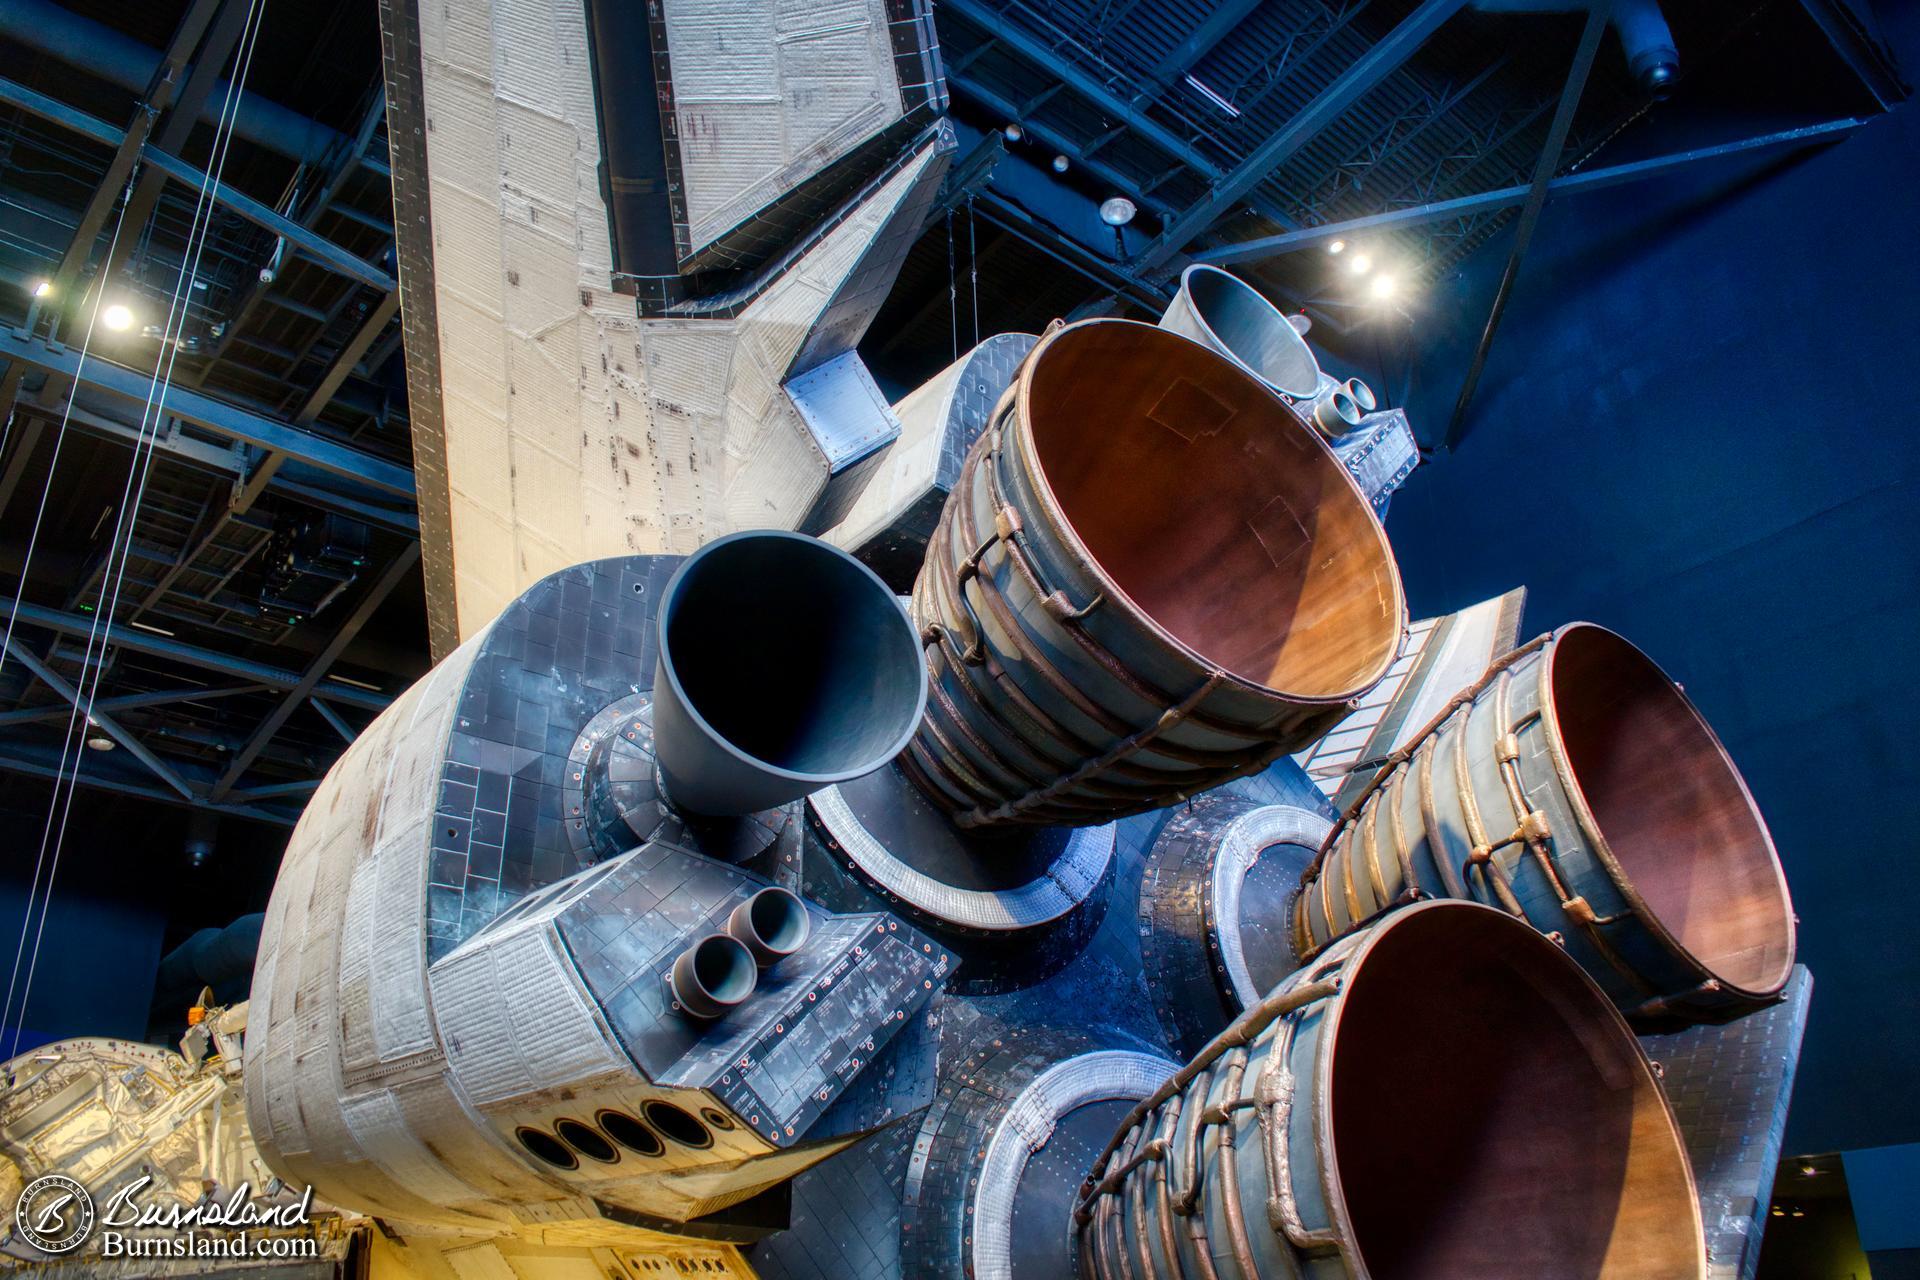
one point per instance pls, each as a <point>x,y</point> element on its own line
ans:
<point>723,970</point>
<point>779,920</point>
<point>587,1140</point>
<point>1214,509</point>
<point>795,654</point>
<point>1252,329</point>
<point>1672,808</point>
<point>630,1133</point>
<point>677,1124</point>
<point>1493,1118</point>
<point>546,1148</point>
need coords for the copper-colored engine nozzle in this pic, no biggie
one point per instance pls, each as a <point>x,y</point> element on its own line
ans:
<point>1672,809</point>
<point>1474,1068</point>
<point>1192,542</point>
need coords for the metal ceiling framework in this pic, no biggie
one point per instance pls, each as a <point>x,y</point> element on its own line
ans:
<point>278,516</point>
<point>1244,131</point>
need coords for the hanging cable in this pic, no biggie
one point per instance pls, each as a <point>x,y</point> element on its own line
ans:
<point>152,414</point>
<point>60,434</point>
<point>953,290</point>
<point>973,273</point>
<point>26,564</point>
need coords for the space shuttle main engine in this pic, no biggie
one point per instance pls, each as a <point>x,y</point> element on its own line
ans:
<point>1150,579</point>
<point>1444,1094</point>
<point>1576,787</point>
<point>526,969</point>
<point>1220,310</point>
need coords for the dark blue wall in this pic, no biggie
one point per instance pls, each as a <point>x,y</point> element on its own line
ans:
<point>96,958</point>
<point>1698,426</point>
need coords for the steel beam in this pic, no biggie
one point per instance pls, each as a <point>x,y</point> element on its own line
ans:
<point>1543,171</point>
<point>161,88</point>
<point>117,58</point>
<point>352,152</point>
<point>316,247</point>
<point>54,111</point>
<point>104,776</point>
<point>1507,197</point>
<point>1105,273</point>
<point>25,439</point>
<point>1303,44</point>
<point>316,670</point>
<point>1359,79</point>
<point>132,701</point>
<point>294,479</point>
<point>302,787</point>
<point>213,415</point>
<point>1002,28</point>
<point>1871,62</point>
<point>348,357</point>
<point>135,640</point>
<point>230,22</point>
<point>344,363</point>
<point>96,716</point>
<point>1221,22</point>
<point>1000,106</point>
<point>333,718</point>
<point>967,176</point>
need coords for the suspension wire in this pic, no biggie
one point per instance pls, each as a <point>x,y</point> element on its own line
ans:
<point>26,565</point>
<point>953,290</point>
<point>973,272</point>
<point>152,414</point>
<point>60,434</point>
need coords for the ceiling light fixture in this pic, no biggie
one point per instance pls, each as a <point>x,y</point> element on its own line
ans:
<point>1338,246</point>
<point>1214,97</point>
<point>118,317</point>
<point>1360,264</point>
<point>1117,212</point>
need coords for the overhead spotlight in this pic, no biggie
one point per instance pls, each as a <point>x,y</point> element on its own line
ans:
<point>1117,211</point>
<point>1061,164</point>
<point>42,288</point>
<point>1338,246</point>
<point>1360,264</point>
<point>97,738</point>
<point>118,317</point>
<point>1383,287</point>
<point>1013,133</point>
